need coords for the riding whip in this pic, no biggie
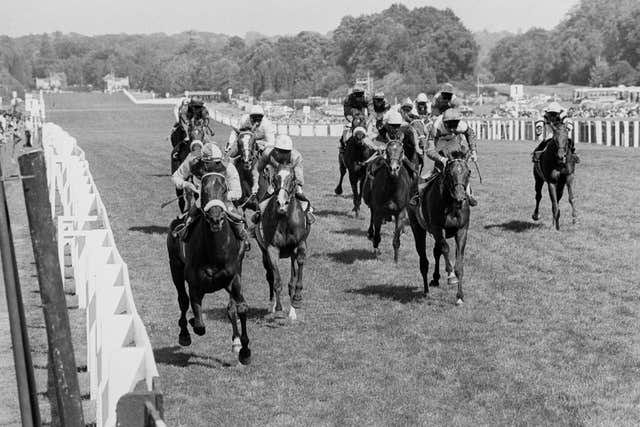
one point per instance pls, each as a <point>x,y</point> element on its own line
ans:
<point>475,162</point>
<point>165,204</point>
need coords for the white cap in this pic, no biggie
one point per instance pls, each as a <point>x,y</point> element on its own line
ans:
<point>256,110</point>
<point>283,142</point>
<point>211,150</point>
<point>407,103</point>
<point>422,98</point>
<point>360,129</point>
<point>195,143</point>
<point>394,118</point>
<point>554,107</point>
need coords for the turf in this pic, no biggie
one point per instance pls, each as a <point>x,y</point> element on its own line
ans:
<point>548,334</point>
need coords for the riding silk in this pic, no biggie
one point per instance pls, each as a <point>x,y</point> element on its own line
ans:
<point>461,139</point>
<point>268,158</point>
<point>355,104</point>
<point>265,133</point>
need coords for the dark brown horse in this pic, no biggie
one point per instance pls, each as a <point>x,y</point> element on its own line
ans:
<point>357,121</point>
<point>180,151</point>
<point>356,152</point>
<point>387,194</point>
<point>556,167</point>
<point>282,233</point>
<point>209,261</point>
<point>444,213</point>
<point>248,152</point>
<point>414,132</point>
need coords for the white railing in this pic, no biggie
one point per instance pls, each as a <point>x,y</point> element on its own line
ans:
<point>119,354</point>
<point>609,132</point>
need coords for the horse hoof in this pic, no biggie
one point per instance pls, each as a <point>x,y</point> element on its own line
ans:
<point>198,330</point>
<point>184,340</point>
<point>459,302</point>
<point>377,252</point>
<point>535,217</point>
<point>245,356</point>
<point>236,346</point>
<point>434,283</point>
<point>292,314</point>
<point>452,279</point>
<point>338,191</point>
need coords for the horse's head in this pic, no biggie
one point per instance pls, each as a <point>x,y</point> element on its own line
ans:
<point>196,134</point>
<point>561,137</point>
<point>456,177</point>
<point>246,148</point>
<point>358,121</point>
<point>285,187</point>
<point>395,153</point>
<point>213,194</point>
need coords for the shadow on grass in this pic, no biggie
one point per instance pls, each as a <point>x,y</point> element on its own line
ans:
<point>150,229</point>
<point>180,357</point>
<point>516,226</point>
<point>349,256</point>
<point>221,313</point>
<point>330,212</point>
<point>354,232</point>
<point>159,175</point>
<point>401,294</point>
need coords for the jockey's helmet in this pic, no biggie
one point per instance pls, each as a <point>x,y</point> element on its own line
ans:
<point>422,97</point>
<point>407,104</point>
<point>256,113</point>
<point>195,144</point>
<point>447,88</point>
<point>554,107</point>
<point>394,118</point>
<point>196,98</point>
<point>378,95</point>
<point>283,142</point>
<point>451,118</point>
<point>210,151</point>
<point>357,89</point>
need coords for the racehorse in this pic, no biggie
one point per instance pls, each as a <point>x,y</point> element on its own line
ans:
<point>248,152</point>
<point>387,194</point>
<point>556,166</point>
<point>356,152</point>
<point>282,233</point>
<point>180,151</point>
<point>444,213</point>
<point>414,132</point>
<point>357,121</point>
<point>210,260</point>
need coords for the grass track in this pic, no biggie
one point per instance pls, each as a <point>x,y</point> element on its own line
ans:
<point>548,334</point>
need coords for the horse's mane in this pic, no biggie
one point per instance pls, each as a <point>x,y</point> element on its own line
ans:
<point>203,167</point>
<point>457,154</point>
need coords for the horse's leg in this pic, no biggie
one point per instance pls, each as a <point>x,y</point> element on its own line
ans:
<point>274,254</point>
<point>196,306</point>
<point>370,230</point>
<point>437,252</point>
<point>296,301</point>
<point>419,237</point>
<point>181,202</point>
<point>461,243</point>
<point>232,315</point>
<point>377,224</point>
<point>177,274</point>
<point>294,273</point>
<point>343,171</point>
<point>451,276</point>
<point>574,213</point>
<point>538,188</point>
<point>400,220</point>
<point>353,180</point>
<point>266,262</point>
<point>241,308</point>
<point>555,209</point>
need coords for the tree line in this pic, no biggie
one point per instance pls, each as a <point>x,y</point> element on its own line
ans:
<point>597,43</point>
<point>405,50</point>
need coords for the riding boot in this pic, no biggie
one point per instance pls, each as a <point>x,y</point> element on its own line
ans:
<point>185,231</point>
<point>472,200</point>
<point>415,194</point>
<point>535,156</point>
<point>303,198</point>
<point>241,234</point>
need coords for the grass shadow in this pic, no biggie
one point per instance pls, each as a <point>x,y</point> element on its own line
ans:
<point>150,229</point>
<point>349,256</point>
<point>159,175</point>
<point>401,294</point>
<point>330,212</point>
<point>516,226</point>
<point>220,313</point>
<point>354,232</point>
<point>176,356</point>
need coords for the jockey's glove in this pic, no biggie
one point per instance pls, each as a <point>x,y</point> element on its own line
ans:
<point>190,186</point>
<point>443,160</point>
<point>474,156</point>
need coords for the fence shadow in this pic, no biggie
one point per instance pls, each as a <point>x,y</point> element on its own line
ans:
<point>220,313</point>
<point>515,226</point>
<point>330,212</point>
<point>150,229</point>
<point>349,256</point>
<point>401,294</point>
<point>362,232</point>
<point>177,356</point>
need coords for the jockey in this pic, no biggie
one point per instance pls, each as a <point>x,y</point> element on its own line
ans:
<point>189,168</point>
<point>393,132</point>
<point>554,115</point>
<point>281,153</point>
<point>354,104</point>
<point>422,106</point>
<point>448,127</point>
<point>182,121</point>
<point>406,111</point>
<point>262,128</point>
<point>379,106</point>
<point>444,100</point>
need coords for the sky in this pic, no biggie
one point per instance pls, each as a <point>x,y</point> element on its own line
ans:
<point>269,17</point>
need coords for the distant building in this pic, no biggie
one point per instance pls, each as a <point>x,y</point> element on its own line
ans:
<point>206,95</point>
<point>607,94</point>
<point>55,81</point>
<point>115,84</point>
